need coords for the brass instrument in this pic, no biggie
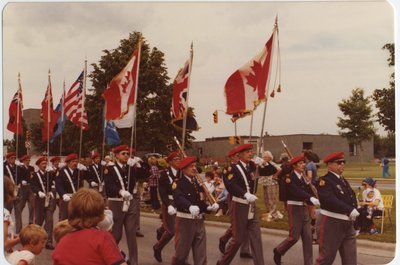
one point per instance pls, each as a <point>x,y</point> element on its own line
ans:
<point>199,179</point>
<point>313,188</point>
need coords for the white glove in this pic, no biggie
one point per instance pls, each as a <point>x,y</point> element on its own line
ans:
<point>250,197</point>
<point>103,163</point>
<point>41,194</point>
<point>110,163</point>
<point>18,163</point>
<point>134,162</point>
<point>354,214</point>
<point>194,210</point>
<point>315,201</point>
<point>125,194</point>
<point>213,208</point>
<point>49,168</point>
<point>24,182</point>
<point>258,160</point>
<point>82,167</point>
<point>131,162</point>
<point>66,198</point>
<point>62,164</point>
<point>171,210</point>
<point>94,184</point>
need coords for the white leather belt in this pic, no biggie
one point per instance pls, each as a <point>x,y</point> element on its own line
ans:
<point>335,215</point>
<point>299,203</point>
<point>189,215</point>
<point>115,199</point>
<point>170,197</point>
<point>239,200</point>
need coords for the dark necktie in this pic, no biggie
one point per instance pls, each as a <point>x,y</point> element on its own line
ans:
<point>194,184</point>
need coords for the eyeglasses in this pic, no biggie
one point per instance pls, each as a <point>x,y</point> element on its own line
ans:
<point>124,153</point>
<point>339,162</point>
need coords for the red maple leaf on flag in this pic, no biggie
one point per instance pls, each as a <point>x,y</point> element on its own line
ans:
<point>253,79</point>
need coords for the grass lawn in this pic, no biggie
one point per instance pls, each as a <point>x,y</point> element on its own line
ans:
<point>362,170</point>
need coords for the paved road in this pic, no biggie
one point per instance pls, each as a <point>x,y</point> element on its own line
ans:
<point>149,224</point>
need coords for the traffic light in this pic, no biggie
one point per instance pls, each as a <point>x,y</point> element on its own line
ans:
<point>238,140</point>
<point>215,114</point>
<point>232,140</point>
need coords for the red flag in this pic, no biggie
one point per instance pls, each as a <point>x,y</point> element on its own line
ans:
<point>179,94</point>
<point>120,94</point>
<point>74,104</point>
<point>48,114</point>
<point>15,112</point>
<point>245,89</point>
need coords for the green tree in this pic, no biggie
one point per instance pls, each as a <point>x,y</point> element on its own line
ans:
<point>357,125</point>
<point>385,98</point>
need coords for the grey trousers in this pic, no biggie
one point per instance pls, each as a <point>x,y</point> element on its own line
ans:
<point>63,210</point>
<point>45,214</point>
<point>129,221</point>
<point>299,225</point>
<point>168,224</point>
<point>334,235</point>
<point>23,198</point>
<point>241,226</point>
<point>190,234</point>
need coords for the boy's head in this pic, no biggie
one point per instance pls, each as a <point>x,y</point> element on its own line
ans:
<point>61,229</point>
<point>33,238</point>
<point>370,193</point>
<point>145,185</point>
<point>86,208</point>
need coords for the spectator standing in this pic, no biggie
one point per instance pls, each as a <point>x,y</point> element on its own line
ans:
<point>385,167</point>
<point>153,182</point>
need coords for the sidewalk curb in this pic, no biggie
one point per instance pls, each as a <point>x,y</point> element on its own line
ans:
<point>362,243</point>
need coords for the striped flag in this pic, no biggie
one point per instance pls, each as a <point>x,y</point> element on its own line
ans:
<point>15,112</point>
<point>74,107</point>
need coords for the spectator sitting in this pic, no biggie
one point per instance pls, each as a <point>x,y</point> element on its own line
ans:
<point>145,199</point>
<point>10,240</point>
<point>210,182</point>
<point>222,201</point>
<point>33,238</point>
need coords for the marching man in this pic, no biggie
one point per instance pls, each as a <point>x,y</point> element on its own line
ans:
<point>95,174</point>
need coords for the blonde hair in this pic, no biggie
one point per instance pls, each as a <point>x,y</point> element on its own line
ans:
<point>32,234</point>
<point>61,229</point>
<point>86,208</point>
<point>152,160</point>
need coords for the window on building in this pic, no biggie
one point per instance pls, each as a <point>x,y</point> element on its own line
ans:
<point>352,150</point>
<point>307,145</point>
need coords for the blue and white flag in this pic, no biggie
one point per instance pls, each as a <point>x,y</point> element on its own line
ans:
<point>111,133</point>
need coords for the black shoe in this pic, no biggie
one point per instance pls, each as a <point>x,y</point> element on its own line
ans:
<point>277,257</point>
<point>159,234</point>
<point>246,255</point>
<point>49,246</point>
<point>138,234</point>
<point>157,254</point>
<point>222,246</point>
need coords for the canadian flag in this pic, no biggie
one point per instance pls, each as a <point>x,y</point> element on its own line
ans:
<point>245,89</point>
<point>120,94</point>
<point>179,94</point>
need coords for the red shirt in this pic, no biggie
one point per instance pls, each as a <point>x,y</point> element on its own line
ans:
<point>87,246</point>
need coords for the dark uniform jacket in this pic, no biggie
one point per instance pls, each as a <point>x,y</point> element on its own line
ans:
<point>12,170</point>
<point>187,194</point>
<point>165,183</point>
<point>112,182</point>
<point>62,182</point>
<point>235,183</point>
<point>47,179</point>
<point>92,176</point>
<point>336,195</point>
<point>25,173</point>
<point>267,170</point>
<point>297,189</point>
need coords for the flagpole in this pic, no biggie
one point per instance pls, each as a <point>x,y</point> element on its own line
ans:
<point>103,144</point>
<point>266,94</point>
<point>187,99</point>
<point>48,116</point>
<point>18,108</point>
<point>251,125</point>
<point>81,117</point>
<point>62,116</point>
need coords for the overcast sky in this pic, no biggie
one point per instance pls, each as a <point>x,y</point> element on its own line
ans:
<point>327,49</point>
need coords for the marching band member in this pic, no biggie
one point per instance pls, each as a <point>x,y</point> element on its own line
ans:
<point>95,174</point>
<point>44,199</point>
<point>167,230</point>
<point>240,184</point>
<point>190,230</point>
<point>10,170</point>
<point>120,181</point>
<point>338,212</point>
<point>298,194</point>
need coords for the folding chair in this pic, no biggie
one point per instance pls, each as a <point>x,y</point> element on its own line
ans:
<point>387,206</point>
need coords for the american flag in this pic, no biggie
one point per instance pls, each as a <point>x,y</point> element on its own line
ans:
<point>74,107</point>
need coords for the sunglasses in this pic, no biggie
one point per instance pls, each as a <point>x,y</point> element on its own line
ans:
<point>339,162</point>
<point>124,153</point>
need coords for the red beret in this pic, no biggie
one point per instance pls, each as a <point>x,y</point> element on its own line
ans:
<point>119,148</point>
<point>10,154</point>
<point>172,156</point>
<point>23,158</point>
<point>334,156</point>
<point>243,147</point>
<point>296,159</point>
<point>186,162</point>
<point>70,157</point>
<point>95,155</point>
<point>233,151</point>
<point>55,158</point>
<point>41,159</point>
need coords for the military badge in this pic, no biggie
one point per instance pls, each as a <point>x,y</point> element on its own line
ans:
<point>230,176</point>
<point>288,180</point>
<point>322,182</point>
<point>174,185</point>
<point>229,168</point>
